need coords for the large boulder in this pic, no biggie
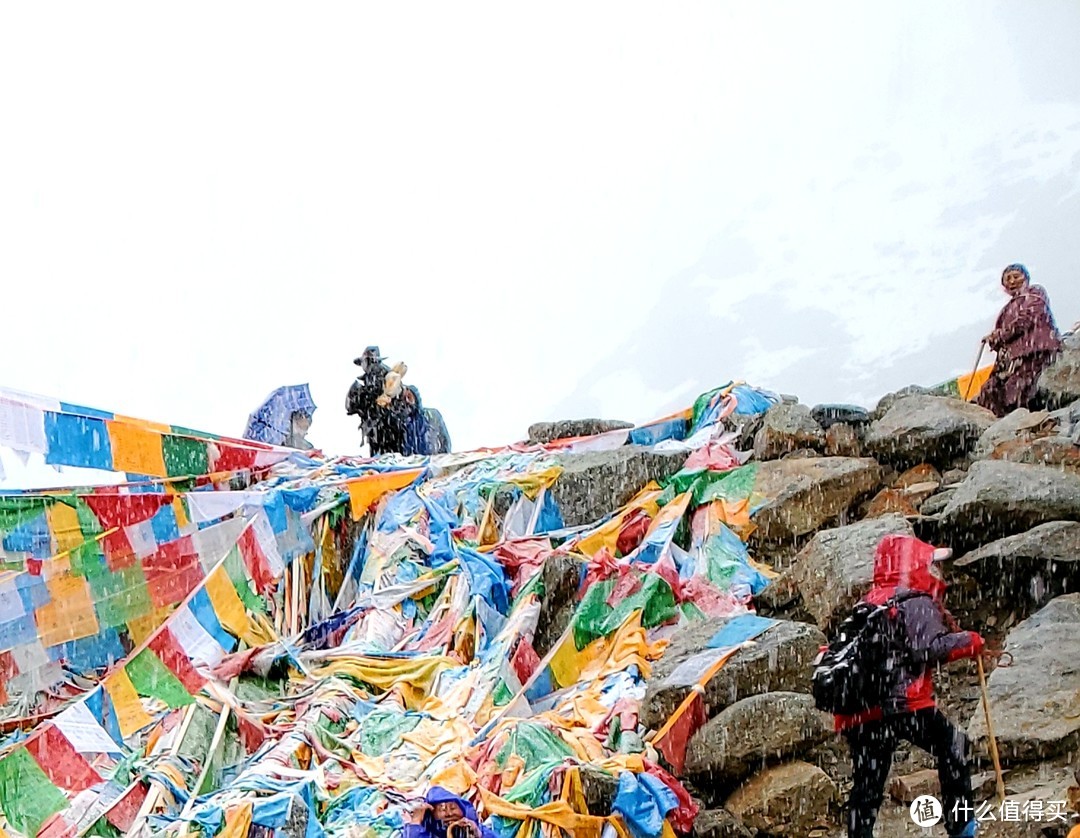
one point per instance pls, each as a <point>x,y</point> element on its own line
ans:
<point>1056,450</point>
<point>787,428</point>
<point>779,659</point>
<point>842,441</point>
<point>828,415</point>
<point>801,495</point>
<point>1019,423</point>
<point>756,731</point>
<point>595,483</point>
<point>544,432</point>
<point>794,800</point>
<point>1059,384</point>
<point>1035,701</point>
<point>836,568</point>
<point>719,823</point>
<point>1001,498</point>
<point>932,429</point>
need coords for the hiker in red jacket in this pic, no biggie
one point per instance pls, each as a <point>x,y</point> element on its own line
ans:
<point>1026,341</point>
<point>904,567</point>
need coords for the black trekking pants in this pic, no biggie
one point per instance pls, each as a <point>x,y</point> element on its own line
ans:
<point>872,746</point>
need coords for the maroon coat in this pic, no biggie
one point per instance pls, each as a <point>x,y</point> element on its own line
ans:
<point>1025,327</point>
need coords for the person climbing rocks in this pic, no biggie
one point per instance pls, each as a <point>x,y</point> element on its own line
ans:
<point>425,430</point>
<point>1026,341</point>
<point>445,815</point>
<point>907,569</point>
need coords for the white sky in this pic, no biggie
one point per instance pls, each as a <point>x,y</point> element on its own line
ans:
<point>574,209</point>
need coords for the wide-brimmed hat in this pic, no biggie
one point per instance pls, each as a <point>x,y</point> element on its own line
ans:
<point>371,353</point>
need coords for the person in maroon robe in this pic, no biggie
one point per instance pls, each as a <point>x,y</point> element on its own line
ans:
<point>1026,341</point>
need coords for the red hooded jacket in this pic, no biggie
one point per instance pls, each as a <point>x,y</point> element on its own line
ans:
<point>903,564</point>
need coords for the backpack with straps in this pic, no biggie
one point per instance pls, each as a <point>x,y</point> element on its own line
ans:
<point>856,672</point>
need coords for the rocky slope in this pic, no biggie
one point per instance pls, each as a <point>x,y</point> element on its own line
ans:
<point>1004,494</point>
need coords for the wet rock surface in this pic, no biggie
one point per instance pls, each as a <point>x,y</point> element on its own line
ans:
<point>1059,384</point>
<point>787,428</point>
<point>933,429</point>
<point>779,659</point>
<point>753,732</point>
<point>836,568</point>
<point>542,433</point>
<point>1035,701</point>
<point>795,800</point>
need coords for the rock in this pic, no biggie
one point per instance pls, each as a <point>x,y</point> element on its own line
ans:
<point>1002,498</point>
<point>953,477</point>
<point>802,495</point>
<point>836,568</point>
<point>1042,451</point>
<point>759,729</point>
<point>1019,422</point>
<point>889,400</point>
<point>745,427</point>
<point>561,575</point>
<point>890,502</point>
<point>787,428</point>
<point>1034,566</point>
<point>779,659</point>
<point>905,789</point>
<point>792,800</point>
<point>829,415</point>
<point>936,504</point>
<point>842,441</point>
<point>1035,702</point>
<point>932,429</point>
<point>719,823</point>
<point>917,476</point>
<point>779,595</point>
<point>595,483</point>
<point>600,789</point>
<point>1059,384</point>
<point>544,432</point>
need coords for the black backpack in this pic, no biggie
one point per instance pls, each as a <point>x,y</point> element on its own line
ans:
<point>858,669</point>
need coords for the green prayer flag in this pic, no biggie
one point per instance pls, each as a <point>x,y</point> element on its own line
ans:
<point>27,796</point>
<point>151,678</point>
<point>184,456</point>
<point>16,510</point>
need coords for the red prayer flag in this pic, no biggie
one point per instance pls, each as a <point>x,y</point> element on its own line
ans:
<point>176,660</point>
<point>65,767</point>
<point>123,811</point>
<point>674,741</point>
<point>255,561</point>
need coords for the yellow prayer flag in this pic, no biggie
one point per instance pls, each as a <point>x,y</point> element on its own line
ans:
<point>364,491</point>
<point>130,715</point>
<point>136,449</point>
<point>69,613</point>
<point>64,524</point>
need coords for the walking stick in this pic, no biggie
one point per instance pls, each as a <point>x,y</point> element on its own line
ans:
<point>975,369</point>
<point>990,733</point>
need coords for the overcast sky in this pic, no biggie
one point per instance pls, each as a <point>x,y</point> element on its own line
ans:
<point>576,210</point>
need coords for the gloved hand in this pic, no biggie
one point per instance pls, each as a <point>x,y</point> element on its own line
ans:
<point>977,643</point>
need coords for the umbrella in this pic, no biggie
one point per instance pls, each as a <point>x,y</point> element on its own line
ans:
<point>271,422</point>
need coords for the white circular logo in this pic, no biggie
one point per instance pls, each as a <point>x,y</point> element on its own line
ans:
<point>926,810</point>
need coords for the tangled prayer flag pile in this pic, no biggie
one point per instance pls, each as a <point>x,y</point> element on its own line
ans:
<point>246,640</point>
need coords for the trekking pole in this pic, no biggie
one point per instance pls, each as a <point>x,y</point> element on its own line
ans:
<point>990,732</point>
<point>975,369</point>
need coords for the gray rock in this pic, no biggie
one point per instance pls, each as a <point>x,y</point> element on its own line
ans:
<point>600,789</point>
<point>837,567</point>
<point>1032,567</point>
<point>930,429</point>
<point>719,823</point>
<point>542,433</point>
<point>1007,429</point>
<point>1001,498</point>
<point>561,575</point>
<point>756,731</point>
<point>595,483</point>
<point>793,800</point>
<point>935,504</point>
<point>779,659</point>
<point>1040,451</point>
<point>803,494</point>
<point>890,399</point>
<point>787,428</point>
<point>828,415</point>
<point>1059,384</point>
<point>1035,702</point>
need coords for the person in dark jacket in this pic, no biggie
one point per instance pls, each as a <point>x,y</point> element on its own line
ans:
<point>1026,341</point>
<point>444,812</point>
<point>904,567</point>
<point>376,425</point>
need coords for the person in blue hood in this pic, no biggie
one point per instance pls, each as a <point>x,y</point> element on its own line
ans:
<point>445,815</point>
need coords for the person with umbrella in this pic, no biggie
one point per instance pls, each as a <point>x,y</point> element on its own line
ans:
<point>284,418</point>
